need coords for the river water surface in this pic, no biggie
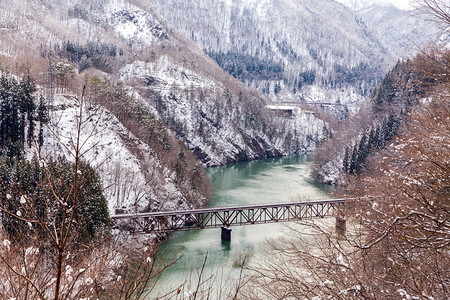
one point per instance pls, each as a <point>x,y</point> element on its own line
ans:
<point>280,180</point>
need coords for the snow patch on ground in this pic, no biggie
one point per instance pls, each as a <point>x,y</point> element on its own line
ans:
<point>134,24</point>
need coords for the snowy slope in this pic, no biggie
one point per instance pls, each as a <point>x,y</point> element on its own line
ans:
<point>213,114</point>
<point>108,145</point>
<point>218,127</point>
<point>361,4</point>
<point>136,176</point>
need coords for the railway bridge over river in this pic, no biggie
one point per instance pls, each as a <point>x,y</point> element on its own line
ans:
<point>224,217</point>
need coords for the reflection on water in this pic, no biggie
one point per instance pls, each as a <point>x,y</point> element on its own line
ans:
<point>257,182</point>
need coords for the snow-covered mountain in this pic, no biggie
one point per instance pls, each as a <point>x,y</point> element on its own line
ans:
<point>113,152</point>
<point>155,86</point>
<point>302,50</point>
<point>398,25</point>
<point>406,30</point>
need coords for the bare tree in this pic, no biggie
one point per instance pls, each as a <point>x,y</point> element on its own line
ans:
<point>436,11</point>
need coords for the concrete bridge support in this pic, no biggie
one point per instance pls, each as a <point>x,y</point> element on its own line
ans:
<point>341,226</point>
<point>226,234</point>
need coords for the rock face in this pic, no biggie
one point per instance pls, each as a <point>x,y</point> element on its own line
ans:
<point>303,51</point>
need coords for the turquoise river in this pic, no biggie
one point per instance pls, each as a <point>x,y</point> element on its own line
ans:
<point>279,180</point>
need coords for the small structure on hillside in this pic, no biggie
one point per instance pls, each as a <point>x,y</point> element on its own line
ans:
<point>287,110</point>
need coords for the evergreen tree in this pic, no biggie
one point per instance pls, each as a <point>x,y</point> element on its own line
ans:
<point>371,139</point>
<point>42,116</point>
<point>363,150</point>
<point>345,162</point>
<point>10,128</point>
<point>26,192</point>
<point>27,88</point>
<point>353,169</point>
<point>17,114</point>
<point>378,138</point>
<point>277,88</point>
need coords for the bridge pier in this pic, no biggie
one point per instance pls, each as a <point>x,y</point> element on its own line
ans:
<point>341,225</point>
<point>226,234</point>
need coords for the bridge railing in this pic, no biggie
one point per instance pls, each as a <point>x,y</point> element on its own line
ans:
<point>169,221</point>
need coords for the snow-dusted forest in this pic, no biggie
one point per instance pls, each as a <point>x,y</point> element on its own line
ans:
<point>102,43</point>
<point>293,51</point>
<point>118,106</point>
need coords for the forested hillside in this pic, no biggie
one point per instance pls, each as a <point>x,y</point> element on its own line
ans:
<point>302,51</point>
<point>374,125</point>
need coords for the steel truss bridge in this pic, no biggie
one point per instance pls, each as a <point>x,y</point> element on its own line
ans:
<point>224,217</point>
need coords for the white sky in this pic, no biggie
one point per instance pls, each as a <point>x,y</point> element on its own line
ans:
<point>404,4</point>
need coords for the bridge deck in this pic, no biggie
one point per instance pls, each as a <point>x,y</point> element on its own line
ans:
<point>168,221</point>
